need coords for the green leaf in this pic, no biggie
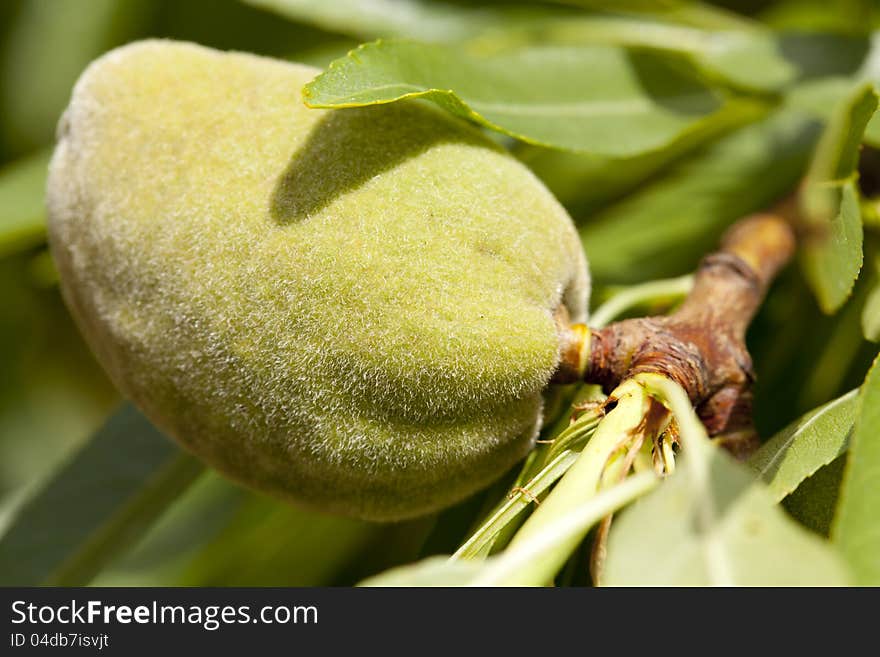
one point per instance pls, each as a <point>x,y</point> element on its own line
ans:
<point>751,58</point>
<point>855,529</point>
<point>833,257</point>
<point>417,19</point>
<point>586,183</point>
<point>600,100</point>
<point>514,566</point>
<point>434,21</point>
<point>830,205</point>
<point>773,61</point>
<point>748,541</point>
<point>819,97</point>
<point>712,524</point>
<point>664,228</point>
<point>814,501</point>
<point>803,447</point>
<point>871,309</point>
<point>49,44</point>
<point>631,31</point>
<point>53,395</point>
<point>872,131</point>
<point>747,58</point>
<point>525,561</point>
<point>833,357</point>
<point>831,65</point>
<point>686,12</point>
<point>433,571</point>
<point>804,15</point>
<point>837,154</point>
<point>164,554</point>
<point>871,315</point>
<point>96,505</point>
<point>22,210</point>
<point>271,543</point>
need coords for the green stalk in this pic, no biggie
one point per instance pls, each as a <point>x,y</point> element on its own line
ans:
<point>695,443</point>
<point>673,288</point>
<point>542,471</point>
<point>516,565</point>
<point>579,484</point>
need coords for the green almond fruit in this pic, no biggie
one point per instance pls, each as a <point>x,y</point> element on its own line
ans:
<point>350,309</point>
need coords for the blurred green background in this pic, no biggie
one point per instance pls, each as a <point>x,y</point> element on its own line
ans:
<point>652,216</point>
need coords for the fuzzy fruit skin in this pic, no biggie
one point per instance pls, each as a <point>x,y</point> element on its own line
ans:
<point>352,310</point>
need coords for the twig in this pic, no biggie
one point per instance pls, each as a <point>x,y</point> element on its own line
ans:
<point>702,345</point>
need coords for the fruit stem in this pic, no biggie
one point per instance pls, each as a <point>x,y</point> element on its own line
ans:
<point>701,346</point>
<point>584,479</point>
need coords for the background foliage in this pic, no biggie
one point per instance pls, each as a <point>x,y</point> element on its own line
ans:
<point>656,124</point>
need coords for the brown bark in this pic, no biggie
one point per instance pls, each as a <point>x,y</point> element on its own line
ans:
<point>702,345</point>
